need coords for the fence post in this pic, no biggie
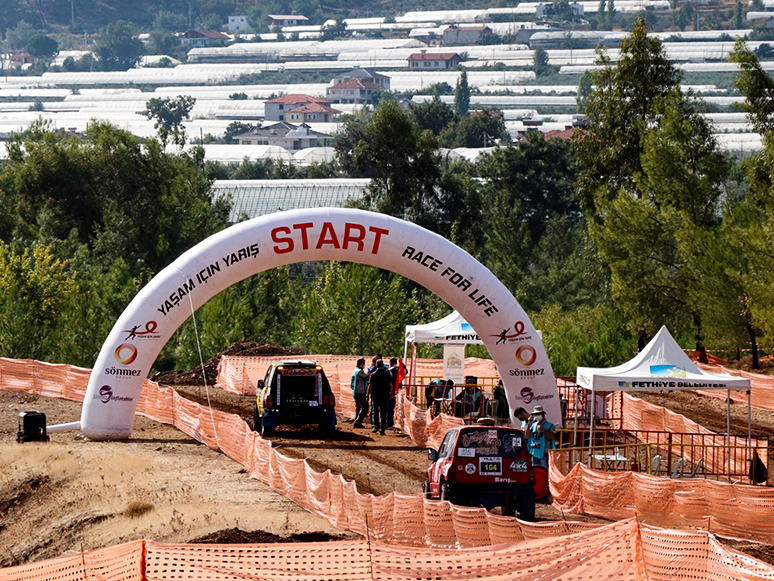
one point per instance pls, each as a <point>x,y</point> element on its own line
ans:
<point>770,463</point>
<point>669,453</point>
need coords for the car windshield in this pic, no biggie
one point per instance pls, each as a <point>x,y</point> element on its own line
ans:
<point>489,442</point>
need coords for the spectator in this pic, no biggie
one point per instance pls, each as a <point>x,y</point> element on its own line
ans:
<point>521,416</point>
<point>394,374</point>
<point>500,409</point>
<point>359,383</point>
<point>379,388</point>
<point>541,436</point>
<point>371,369</point>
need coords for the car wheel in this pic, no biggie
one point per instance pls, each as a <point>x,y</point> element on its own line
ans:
<point>266,430</point>
<point>257,419</point>
<point>447,492</point>
<point>526,505</point>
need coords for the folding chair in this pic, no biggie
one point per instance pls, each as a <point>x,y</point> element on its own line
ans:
<point>678,471</point>
<point>655,463</point>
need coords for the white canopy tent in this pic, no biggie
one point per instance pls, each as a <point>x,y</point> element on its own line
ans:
<point>453,329</point>
<point>661,365</point>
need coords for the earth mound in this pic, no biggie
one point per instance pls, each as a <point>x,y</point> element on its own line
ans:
<point>241,349</point>
<point>236,536</point>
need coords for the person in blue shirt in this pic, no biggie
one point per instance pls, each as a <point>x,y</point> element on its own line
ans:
<point>541,436</point>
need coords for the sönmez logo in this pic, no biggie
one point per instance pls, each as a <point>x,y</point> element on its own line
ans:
<point>527,394</point>
<point>105,393</point>
<point>526,355</point>
<point>126,353</point>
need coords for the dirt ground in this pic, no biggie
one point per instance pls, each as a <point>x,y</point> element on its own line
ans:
<point>72,494</point>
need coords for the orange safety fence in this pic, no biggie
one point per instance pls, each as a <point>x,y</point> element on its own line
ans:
<point>761,387</point>
<point>241,374</point>
<point>641,417</point>
<point>736,511</point>
<point>390,518</point>
<point>623,551</point>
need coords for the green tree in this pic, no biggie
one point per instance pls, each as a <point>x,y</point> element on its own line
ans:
<point>619,111</point>
<point>34,287</point>
<point>403,163</point>
<point>738,15</point>
<point>168,116</point>
<point>647,235</point>
<point>119,49</point>
<point>752,225</point>
<point>651,172</point>
<point>462,95</point>
<point>349,135</point>
<point>483,128</point>
<point>433,115</point>
<point>540,61</point>
<point>611,14</point>
<point>42,46</point>
<point>121,197</point>
<point>354,309</point>
<point>585,87</point>
<point>18,36</point>
<point>526,187</point>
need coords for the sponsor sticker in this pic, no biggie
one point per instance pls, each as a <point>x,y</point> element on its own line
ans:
<point>470,468</point>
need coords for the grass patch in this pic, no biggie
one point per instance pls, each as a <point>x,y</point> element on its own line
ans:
<point>136,509</point>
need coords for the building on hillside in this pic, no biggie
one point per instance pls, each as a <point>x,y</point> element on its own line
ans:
<point>237,24</point>
<point>286,20</point>
<point>466,36</point>
<point>425,61</point>
<point>354,91</point>
<point>382,81</point>
<point>276,109</point>
<point>291,137</point>
<point>200,37</point>
<point>312,113</point>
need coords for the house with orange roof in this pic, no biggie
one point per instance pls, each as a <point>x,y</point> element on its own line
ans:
<point>277,109</point>
<point>199,37</point>
<point>425,61</point>
<point>312,112</point>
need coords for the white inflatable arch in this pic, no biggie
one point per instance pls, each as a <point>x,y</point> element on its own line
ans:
<point>285,238</point>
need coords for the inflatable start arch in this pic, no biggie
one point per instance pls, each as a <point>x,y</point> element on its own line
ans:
<point>285,238</point>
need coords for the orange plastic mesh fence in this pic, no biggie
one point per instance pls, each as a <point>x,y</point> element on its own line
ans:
<point>734,511</point>
<point>621,551</point>
<point>731,510</point>
<point>640,415</point>
<point>761,387</point>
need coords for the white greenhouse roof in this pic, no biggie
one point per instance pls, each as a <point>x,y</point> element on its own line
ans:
<point>252,198</point>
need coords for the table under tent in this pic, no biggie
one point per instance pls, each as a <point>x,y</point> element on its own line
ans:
<point>662,365</point>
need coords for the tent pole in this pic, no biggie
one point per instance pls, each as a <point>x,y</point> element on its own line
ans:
<point>728,432</point>
<point>591,424</point>
<point>749,435</point>
<point>575,427</point>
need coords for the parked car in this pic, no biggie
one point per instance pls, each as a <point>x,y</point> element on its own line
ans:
<point>484,465</point>
<point>295,393</point>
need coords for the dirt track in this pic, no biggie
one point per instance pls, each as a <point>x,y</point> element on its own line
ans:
<point>72,494</point>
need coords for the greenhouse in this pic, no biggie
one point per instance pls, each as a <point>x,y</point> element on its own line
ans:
<point>252,198</point>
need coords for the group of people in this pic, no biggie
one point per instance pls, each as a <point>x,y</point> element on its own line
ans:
<point>375,391</point>
<point>469,401</point>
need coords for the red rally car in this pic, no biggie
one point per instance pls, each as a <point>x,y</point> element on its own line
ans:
<point>485,466</point>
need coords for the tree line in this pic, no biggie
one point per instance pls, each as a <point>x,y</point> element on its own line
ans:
<point>638,221</point>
